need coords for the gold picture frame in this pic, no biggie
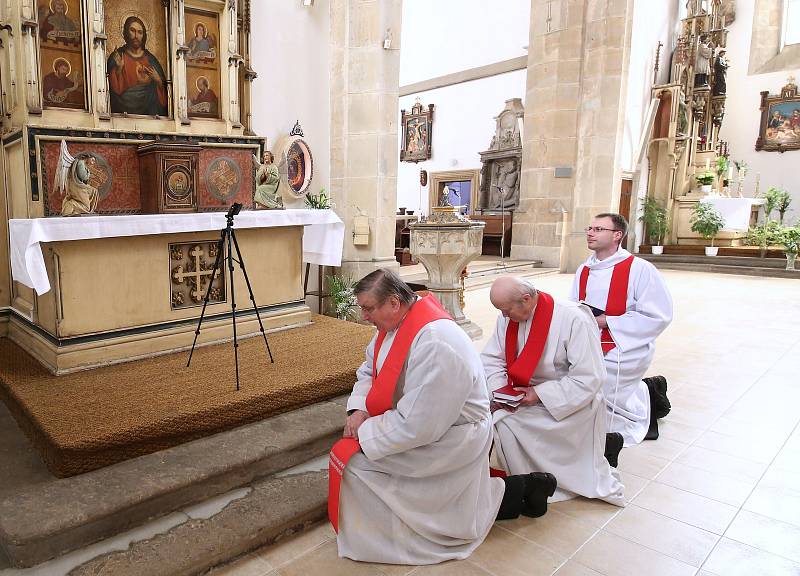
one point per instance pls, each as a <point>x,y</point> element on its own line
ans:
<point>458,181</point>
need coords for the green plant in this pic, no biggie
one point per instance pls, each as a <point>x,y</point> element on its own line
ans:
<point>319,201</point>
<point>706,221</point>
<point>722,166</point>
<point>784,199</point>
<point>342,299</point>
<point>705,178</point>
<point>790,238</point>
<point>654,217</point>
<point>764,235</point>
<point>776,198</point>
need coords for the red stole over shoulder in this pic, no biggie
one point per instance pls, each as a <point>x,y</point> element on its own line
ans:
<point>617,301</point>
<point>381,394</point>
<point>520,369</point>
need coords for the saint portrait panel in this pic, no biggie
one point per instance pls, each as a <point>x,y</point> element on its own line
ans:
<point>61,54</point>
<point>203,80</point>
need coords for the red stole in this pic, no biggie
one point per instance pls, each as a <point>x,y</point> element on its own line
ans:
<point>520,370</point>
<point>617,302</point>
<point>381,393</point>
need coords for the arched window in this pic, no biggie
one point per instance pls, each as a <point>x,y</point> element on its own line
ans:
<point>790,33</point>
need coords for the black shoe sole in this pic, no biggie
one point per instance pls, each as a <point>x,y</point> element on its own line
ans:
<point>542,486</point>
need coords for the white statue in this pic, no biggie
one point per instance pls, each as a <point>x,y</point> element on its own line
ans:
<point>72,180</point>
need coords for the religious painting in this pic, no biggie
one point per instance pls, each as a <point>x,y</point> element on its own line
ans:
<point>459,188</point>
<point>202,64</point>
<point>780,121</point>
<point>138,57</point>
<point>61,54</point>
<point>417,133</point>
<point>299,167</point>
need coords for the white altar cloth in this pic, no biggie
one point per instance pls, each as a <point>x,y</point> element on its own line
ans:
<point>323,237</point>
<point>735,211</point>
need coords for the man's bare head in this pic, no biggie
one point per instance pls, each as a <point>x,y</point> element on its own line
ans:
<point>515,297</point>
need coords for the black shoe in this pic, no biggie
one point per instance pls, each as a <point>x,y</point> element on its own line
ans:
<point>659,403</point>
<point>539,486</point>
<point>652,431</point>
<point>614,443</point>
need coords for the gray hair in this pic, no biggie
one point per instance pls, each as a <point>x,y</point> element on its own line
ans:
<point>384,284</point>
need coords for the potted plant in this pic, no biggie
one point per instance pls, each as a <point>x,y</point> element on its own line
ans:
<point>318,202</point>
<point>721,168</point>
<point>707,222</point>
<point>784,199</point>
<point>654,218</point>
<point>342,299</point>
<point>790,238</point>
<point>705,179</point>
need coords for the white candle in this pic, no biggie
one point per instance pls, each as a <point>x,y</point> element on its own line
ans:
<point>708,164</point>
<point>730,173</point>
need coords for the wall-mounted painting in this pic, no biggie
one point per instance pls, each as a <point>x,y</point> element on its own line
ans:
<point>202,64</point>
<point>417,129</point>
<point>138,57</point>
<point>780,121</point>
<point>462,189</point>
<point>61,54</point>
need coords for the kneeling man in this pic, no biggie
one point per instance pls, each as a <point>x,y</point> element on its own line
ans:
<point>550,350</point>
<point>409,482</point>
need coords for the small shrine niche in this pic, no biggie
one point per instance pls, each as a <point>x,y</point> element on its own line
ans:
<point>502,162</point>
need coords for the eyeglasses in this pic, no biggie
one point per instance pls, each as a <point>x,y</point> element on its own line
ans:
<point>371,309</point>
<point>601,229</point>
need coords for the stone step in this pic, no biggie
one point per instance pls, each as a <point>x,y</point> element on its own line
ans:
<point>45,520</point>
<point>772,268</point>
<point>751,262</point>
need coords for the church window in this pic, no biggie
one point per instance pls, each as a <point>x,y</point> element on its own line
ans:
<point>791,23</point>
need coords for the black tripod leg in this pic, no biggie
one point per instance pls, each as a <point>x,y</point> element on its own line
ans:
<point>220,249</point>
<point>233,306</point>
<point>250,289</point>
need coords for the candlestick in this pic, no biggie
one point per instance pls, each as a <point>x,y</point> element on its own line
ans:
<point>708,164</point>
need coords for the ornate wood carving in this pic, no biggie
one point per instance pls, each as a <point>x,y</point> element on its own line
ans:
<point>191,265</point>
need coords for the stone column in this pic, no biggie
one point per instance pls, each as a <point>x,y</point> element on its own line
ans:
<point>364,115</point>
<point>30,43</point>
<point>101,97</point>
<point>179,78</point>
<point>575,100</point>
<point>234,59</point>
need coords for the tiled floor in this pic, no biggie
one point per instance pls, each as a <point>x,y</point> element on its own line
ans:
<point>717,495</point>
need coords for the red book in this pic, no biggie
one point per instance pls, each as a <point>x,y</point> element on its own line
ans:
<point>507,393</point>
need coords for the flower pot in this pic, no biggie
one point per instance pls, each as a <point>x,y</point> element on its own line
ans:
<point>657,250</point>
<point>790,259</point>
<point>712,250</point>
<point>705,188</point>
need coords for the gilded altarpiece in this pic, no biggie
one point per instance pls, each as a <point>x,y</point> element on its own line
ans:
<point>202,64</point>
<point>138,61</point>
<point>61,56</point>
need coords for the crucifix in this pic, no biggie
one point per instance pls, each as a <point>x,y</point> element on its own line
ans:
<point>194,275</point>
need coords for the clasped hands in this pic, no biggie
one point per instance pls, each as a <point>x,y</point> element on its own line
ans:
<point>531,398</point>
<point>353,423</point>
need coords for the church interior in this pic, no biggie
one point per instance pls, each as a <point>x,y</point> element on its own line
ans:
<point>191,190</point>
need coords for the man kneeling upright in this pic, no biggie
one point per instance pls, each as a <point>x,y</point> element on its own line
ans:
<point>409,482</point>
<point>549,351</point>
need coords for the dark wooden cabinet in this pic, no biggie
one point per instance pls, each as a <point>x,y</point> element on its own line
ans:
<point>493,232</point>
<point>168,177</point>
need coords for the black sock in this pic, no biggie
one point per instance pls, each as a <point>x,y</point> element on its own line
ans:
<point>511,506</point>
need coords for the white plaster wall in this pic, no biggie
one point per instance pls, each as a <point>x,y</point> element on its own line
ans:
<point>742,115</point>
<point>444,36</point>
<point>652,22</point>
<point>290,53</point>
<point>463,126</point>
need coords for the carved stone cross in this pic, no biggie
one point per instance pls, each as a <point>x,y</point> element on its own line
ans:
<point>195,275</point>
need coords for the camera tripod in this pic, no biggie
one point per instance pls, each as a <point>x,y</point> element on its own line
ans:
<point>228,239</point>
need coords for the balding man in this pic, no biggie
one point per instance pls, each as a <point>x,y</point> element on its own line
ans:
<point>549,350</point>
<point>412,471</point>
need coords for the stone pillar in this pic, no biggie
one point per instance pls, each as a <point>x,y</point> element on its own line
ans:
<point>364,95</point>
<point>575,99</point>
<point>234,59</point>
<point>179,78</point>
<point>101,97</point>
<point>30,43</point>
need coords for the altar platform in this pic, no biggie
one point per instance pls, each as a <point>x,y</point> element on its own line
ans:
<point>93,290</point>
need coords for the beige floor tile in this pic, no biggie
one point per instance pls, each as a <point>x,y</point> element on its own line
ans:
<point>633,484</point>
<point>766,432</point>
<point>394,569</point>
<point>453,568</point>
<point>250,565</point>
<point>641,463</point>
<point>787,460</point>
<point>775,503</point>
<point>720,463</point>
<point>573,568</point>
<point>674,430</point>
<point>504,552</point>
<point>767,534</point>
<point>594,512</point>
<point>709,484</point>
<point>731,558</point>
<point>292,546</point>
<point>614,556</point>
<point>781,479</point>
<point>325,560</point>
<point>662,448</point>
<point>671,537</point>
<point>556,531</point>
<point>750,449</point>
<point>686,507</point>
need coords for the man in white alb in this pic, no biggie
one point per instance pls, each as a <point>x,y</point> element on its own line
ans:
<point>409,481</point>
<point>632,306</point>
<point>549,350</point>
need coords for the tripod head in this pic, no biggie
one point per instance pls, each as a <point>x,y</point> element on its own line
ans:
<point>235,208</point>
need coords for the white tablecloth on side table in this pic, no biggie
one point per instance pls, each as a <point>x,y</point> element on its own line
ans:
<point>323,237</point>
<point>735,211</point>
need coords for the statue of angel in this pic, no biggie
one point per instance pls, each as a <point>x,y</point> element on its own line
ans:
<point>72,180</point>
<point>267,181</point>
